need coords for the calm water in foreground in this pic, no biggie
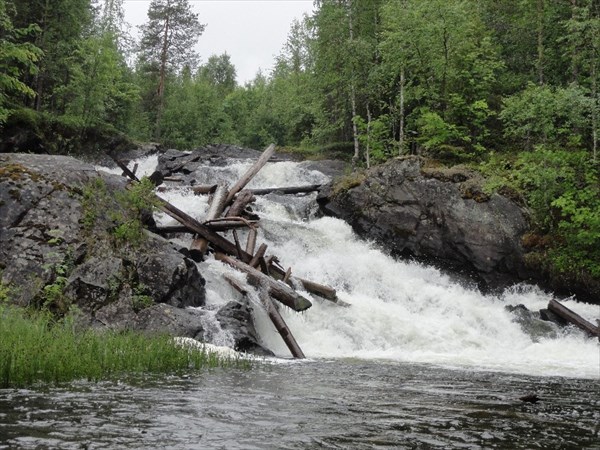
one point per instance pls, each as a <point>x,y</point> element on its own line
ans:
<point>335,404</point>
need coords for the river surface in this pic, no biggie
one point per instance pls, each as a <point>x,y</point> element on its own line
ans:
<point>342,403</point>
<point>418,360</point>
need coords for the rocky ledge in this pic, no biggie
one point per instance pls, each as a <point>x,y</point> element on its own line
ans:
<point>60,247</point>
<point>441,216</point>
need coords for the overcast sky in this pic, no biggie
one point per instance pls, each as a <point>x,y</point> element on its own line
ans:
<point>252,32</point>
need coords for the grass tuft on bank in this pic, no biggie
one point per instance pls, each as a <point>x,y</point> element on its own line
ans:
<point>34,347</point>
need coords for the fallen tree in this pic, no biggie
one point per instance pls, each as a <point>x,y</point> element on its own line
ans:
<point>260,269</point>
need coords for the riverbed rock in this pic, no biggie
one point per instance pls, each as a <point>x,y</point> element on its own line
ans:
<point>438,216</point>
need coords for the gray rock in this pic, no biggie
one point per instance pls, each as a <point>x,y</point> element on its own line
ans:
<point>532,323</point>
<point>43,238</point>
<point>435,220</point>
<point>164,318</point>
<point>236,318</point>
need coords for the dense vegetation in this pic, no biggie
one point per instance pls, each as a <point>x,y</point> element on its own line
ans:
<point>36,347</point>
<point>507,86</point>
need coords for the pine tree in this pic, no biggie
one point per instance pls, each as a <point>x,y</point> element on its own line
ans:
<point>167,42</point>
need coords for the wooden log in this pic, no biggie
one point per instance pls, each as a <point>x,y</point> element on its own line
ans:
<point>251,244</point>
<point>281,292</point>
<point>214,226</point>
<point>287,190</point>
<point>199,245</point>
<point>274,315</point>
<point>264,266</point>
<point>199,190</point>
<point>226,223</point>
<point>188,221</point>
<point>255,260</point>
<point>235,284</point>
<point>125,169</point>
<point>170,178</point>
<point>288,274</point>
<point>242,182</point>
<point>135,168</point>
<point>572,317</point>
<point>241,201</point>
<point>281,327</point>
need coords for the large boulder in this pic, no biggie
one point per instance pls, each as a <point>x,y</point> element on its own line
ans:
<point>437,215</point>
<point>56,248</point>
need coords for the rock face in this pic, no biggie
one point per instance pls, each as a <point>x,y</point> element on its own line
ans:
<point>440,216</point>
<point>53,255</point>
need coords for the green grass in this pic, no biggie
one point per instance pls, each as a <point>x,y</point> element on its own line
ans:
<point>35,348</point>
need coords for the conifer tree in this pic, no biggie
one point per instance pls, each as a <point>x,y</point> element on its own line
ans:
<point>167,43</point>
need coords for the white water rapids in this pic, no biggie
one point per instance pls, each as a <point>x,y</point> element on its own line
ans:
<point>400,310</point>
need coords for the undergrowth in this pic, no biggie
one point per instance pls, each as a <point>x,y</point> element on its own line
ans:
<point>35,347</point>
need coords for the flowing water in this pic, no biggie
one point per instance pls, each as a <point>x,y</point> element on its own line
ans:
<point>417,360</point>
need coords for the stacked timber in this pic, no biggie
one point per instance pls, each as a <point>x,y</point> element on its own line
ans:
<point>227,211</point>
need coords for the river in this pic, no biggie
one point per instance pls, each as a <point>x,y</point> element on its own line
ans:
<point>418,360</point>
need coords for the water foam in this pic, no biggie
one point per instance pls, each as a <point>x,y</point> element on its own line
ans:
<point>400,310</point>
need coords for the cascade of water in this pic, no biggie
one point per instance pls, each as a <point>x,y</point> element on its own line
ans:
<point>400,310</point>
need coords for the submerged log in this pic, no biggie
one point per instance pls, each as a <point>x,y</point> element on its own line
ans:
<point>281,292</point>
<point>572,317</point>
<point>242,182</point>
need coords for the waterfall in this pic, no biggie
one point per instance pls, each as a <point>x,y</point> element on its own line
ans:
<point>400,310</point>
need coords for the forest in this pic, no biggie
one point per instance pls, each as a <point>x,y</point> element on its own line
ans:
<point>506,87</point>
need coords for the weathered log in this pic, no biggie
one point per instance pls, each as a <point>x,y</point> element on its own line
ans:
<point>241,201</point>
<point>242,182</point>
<point>224,225</point>
<point>135,168</point>
<point>572,317</point>
<point>281,327</point>
<point>321,290</point>
<point>234,283</point>
<point>185,219</point>
<point>254,261</point>
<point>125,169</point>
<point>264,266</point>
<point>251,244</point>
<point>170,178</point>
<point>287,190</point>
<point>198,190</point>
<point>281,292</point>
<point>274,315</point>
<point>199,245</point>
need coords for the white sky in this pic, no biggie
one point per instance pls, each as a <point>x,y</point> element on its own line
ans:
<point>252,32</point>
